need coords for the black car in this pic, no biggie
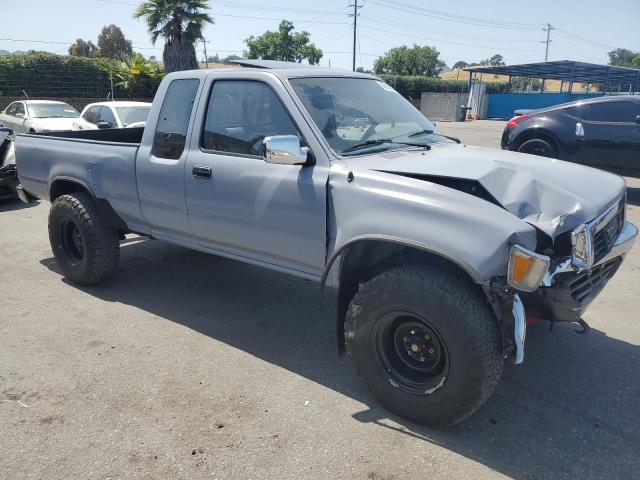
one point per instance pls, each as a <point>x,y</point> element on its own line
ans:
<point>602,132</point>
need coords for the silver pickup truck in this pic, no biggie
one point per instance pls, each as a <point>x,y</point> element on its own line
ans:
<point>440,252</point>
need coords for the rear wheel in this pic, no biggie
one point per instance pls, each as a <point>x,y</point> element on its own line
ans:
<point>425,342</point>
<point>540,147</point>
<point>86,249</point>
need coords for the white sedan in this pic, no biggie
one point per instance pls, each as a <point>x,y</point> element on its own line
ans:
<point>25,116</point>
<point>114,114</point>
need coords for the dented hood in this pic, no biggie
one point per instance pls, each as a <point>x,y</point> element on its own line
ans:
<point>553,195</point>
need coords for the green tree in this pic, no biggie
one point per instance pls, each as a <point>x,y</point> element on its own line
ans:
<point>131,71</point>
<point>284,45</point>
<point>622,57</point>
<point>228,58</point>
<point>180,23</point>
<point>83,48</point>
<point>496,61</point>
<point>113,44</point>
<point>460,64</point>
<point>409,61</point>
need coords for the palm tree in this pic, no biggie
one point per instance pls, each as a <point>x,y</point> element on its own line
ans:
<point>180,23</point>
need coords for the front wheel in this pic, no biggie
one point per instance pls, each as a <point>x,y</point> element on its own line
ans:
<point>86,249</point>
<point>425,342</point>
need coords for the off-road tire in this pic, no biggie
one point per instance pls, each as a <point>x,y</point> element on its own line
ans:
<point>457,312</point>
<point>100,243</point>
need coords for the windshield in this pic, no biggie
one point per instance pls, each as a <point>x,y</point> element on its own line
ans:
<point>129,115</point>
<point>52,110</point>
<point>359,115</point>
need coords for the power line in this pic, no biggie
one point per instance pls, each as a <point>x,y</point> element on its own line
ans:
<point>431,40</point>
<point>577,38</point>
<point>404,7</point>
<point>421,28</point>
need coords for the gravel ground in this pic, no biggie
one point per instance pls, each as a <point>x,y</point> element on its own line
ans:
<point>190,366</point>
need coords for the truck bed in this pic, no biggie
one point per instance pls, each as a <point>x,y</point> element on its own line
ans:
<point>103,161</point>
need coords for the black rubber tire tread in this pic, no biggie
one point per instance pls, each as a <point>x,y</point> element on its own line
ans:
<point>101,242</point>
<point>470,331</point>
<point>550,144</point>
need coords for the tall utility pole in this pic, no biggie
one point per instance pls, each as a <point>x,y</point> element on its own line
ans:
<point>355,26</point>
<point>548,30</point>
<point>206,59</point>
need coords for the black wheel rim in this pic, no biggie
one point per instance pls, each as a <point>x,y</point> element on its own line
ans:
<point>538,149</point>
<point>411,351</point>
<point>72,242</point>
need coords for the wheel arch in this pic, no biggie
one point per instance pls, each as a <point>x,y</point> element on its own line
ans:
<point>542,133</point>
<point>65,185</point>
<point>362,258</point>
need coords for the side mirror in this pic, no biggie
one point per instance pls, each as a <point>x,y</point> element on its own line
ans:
<point>285,150</point>
<point>638,119</point>
<point>19,115</point>
<point>103,125</point>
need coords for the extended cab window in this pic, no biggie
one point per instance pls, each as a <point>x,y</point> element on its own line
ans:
<point>240,114</point>
<point>173,122</point>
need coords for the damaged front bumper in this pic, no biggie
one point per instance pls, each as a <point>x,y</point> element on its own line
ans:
<point>568,289</point>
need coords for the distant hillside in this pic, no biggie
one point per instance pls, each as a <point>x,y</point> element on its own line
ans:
<point>549,85</point>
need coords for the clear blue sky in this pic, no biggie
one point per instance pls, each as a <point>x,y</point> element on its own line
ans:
<point>586,29</point>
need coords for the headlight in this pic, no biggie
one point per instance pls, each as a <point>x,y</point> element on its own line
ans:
<point>526,268</point>
<point>582,246</point>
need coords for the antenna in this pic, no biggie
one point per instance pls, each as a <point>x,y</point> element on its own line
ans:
<point>25,94</point>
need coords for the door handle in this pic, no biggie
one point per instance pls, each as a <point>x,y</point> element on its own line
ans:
<point>201,172</point>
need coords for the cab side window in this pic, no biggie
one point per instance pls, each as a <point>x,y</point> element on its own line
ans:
<point>173,122</point>
<point>240,114</point>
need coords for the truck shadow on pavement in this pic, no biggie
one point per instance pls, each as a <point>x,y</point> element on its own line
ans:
<point>13,204</point>
<point>570,411</point>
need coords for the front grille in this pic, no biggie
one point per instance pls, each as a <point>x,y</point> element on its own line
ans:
<point>603,240</point>
<point>589,283</point>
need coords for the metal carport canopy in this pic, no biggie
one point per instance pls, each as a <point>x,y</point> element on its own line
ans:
<point>569,71</point>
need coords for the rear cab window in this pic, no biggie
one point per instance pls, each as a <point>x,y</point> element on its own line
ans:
<point>171,131</point>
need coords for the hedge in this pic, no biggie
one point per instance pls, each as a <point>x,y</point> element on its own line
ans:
<point>412,86</point>
<point>49,75</point>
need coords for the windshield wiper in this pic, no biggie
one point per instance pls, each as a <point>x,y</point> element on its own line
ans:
<point>380,141</point>
<point>432,132</point>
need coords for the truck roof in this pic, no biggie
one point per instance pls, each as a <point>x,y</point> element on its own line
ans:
<point>280,69</point>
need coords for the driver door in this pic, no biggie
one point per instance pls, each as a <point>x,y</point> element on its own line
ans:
<point>237,202</point>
